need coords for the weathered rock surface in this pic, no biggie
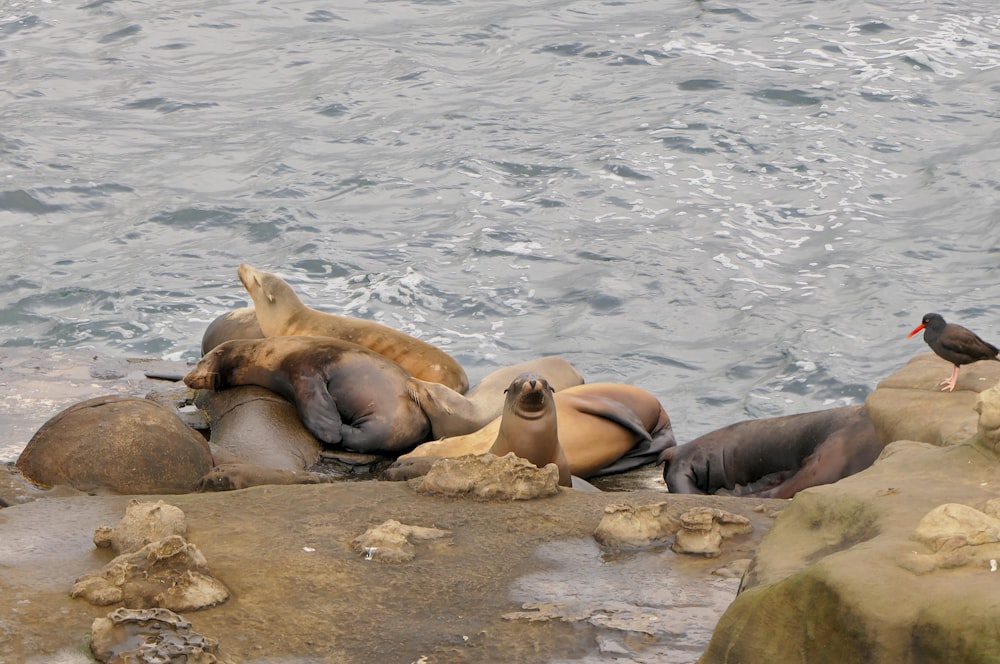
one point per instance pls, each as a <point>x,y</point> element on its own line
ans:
<point>489,477</point>
<point>170,573</point>
<point>897,563</point>
<point>301,592</point>
<point>703,530</point>
<point>149,636</point>
<point>627,525</point>
<point>909,404</point>
<point>143,523</point>
<point>394,542</point>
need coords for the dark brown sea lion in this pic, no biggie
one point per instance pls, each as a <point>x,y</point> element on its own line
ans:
<point>119,444</point>
<point>604,428</point>
<point>795,451</point>
<point>235,324</point>
<point>345,394</point>
<point>280,312</point>
<point>454,414</point>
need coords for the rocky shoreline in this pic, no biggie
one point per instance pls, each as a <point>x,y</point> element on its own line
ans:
<point>894,564</point>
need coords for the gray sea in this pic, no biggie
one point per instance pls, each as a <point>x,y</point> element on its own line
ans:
<point>743,207</point>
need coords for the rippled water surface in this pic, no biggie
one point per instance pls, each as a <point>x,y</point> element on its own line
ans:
<point>742,207</point>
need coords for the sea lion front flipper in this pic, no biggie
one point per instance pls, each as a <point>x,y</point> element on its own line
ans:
<point>609,409</point>
<point>407,469</point>
<point>317,408</point>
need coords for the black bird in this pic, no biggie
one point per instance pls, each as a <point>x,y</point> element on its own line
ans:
<point>955,344</point>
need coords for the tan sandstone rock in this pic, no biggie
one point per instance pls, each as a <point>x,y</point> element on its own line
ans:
<point>394,542</point>
<point>704,528</point>
<point>489,477</point>
<point>128,636</point>
<point>169,573</point>
<point>636,526</point>
<point>144,522</point>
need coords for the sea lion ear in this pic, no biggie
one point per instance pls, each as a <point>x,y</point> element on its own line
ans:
<point>267,292</point>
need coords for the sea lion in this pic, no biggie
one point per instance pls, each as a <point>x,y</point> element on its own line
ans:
<point>236,324</point>
<point>345,394</point>
<point>529,425</point>
<point>124,445</point>
<point>604,428</point>
<point>281,313</point>
<point>454,414</point>
<point>792,452</point>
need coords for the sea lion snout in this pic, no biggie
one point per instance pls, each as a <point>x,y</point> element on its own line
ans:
<point>530,395</point>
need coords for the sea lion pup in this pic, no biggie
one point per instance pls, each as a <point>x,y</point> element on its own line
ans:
<point>775,457</point>
<point>345,394</point>
<point>604,428</point>
<point>454,414</point>
<point>281,313</point>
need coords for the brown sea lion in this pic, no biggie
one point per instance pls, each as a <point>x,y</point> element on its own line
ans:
<point>454,414</point>
<point>529,425</point>
<point>604,428</point>
<point>119,444</point>
<point>236,324</point>
<point>345,394</point>
<point>281,313</point>
<point>788,453</point>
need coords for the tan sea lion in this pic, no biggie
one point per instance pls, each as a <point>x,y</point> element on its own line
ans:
<point>281,313</point>
<point>529,425</point>
<point>345,394</point>
<point>454,414</point>
<point>604,428</point>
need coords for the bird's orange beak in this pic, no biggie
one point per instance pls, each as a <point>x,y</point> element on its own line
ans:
<point>915,330</point>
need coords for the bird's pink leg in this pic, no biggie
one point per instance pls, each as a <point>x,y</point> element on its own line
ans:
<point>949,383</point>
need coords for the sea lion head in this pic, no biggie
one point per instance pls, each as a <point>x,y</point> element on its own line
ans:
<point>213,368</point>
<point>529,396</point>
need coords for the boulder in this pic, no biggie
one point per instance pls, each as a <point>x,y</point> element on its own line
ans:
<point>143,523</point>
<point>489,477</point>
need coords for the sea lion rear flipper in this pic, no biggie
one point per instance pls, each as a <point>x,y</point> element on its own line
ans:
<point>644,452</point>
<point>317,408</point>
<point>610,409</point>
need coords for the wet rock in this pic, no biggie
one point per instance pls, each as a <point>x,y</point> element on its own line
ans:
<point>394,542</point>
<point>169,573</point>
<point>143,523</point>
<point>125,445</point>
<point>704,528</point>
<point>635,526</point>
<point>141,636</point>
<point>489,477</point>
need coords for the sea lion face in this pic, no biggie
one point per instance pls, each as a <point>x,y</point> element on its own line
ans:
<point>205,375</point>
<point>530,396</point>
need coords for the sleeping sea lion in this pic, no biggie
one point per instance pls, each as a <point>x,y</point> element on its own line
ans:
<point>281,313</point>
<point>345,394</point>
<point>604,428</point>
<point>235,324</point>
<point>454,414</point>
<point>793,452</point>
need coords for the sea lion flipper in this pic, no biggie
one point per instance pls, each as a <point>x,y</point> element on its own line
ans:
<point>317,408</point>
<point>610,409</point>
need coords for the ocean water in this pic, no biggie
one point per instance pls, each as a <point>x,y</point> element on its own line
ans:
<point>742,207</point>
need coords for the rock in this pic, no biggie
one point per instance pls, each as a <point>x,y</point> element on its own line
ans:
<point>900,406</point>
<point>139,636</point>
<point>393,542</point>
<point>169,573</point>
<point>489,477</point>
<point>125,445</point>
<point>144,522</point>
<point>988,425</point>
<point>704,528</point>
<point>632,526</point>
<point>894,564</point>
